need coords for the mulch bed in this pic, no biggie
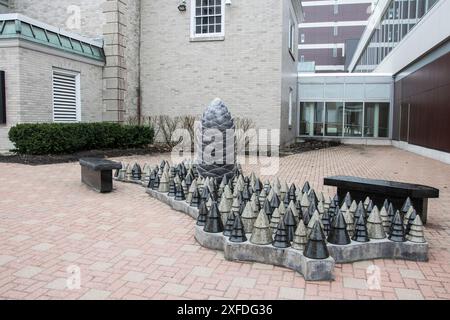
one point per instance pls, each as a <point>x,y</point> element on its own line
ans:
<point>36,160</point>
<point>308,145</point>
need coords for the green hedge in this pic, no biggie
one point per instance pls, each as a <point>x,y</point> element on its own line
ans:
<point>59,138</point>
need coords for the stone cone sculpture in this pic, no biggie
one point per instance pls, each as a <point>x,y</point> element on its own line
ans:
<point>306,187</point>
<point>391,213</point>
<point>315,218</point>
<point>249,217</point>
<point>375,228</point>
<point>326,222</point>
<point>238,232</point>
<point>338,234</point>
<point>416,232</point>
<point>275,202</point>
<point>195,201</point>
<point>164,183</point>
<point>179,193</point>
<point>216,118</point>
<point>350,220</point>
<point>156,183</point>
<point>202,215</point>
<point>268,210</point>
<point>290,223</point>
<point>275,220</point>
<point>316,248</point>
<point>262,234</point>
<point>136,172</point>
<point>409,219</point>
<point>406,205</point>
<point>361,230</point>
<point>397,232</point>
<point>151,179</point>
<point>281,239</point>
<point>213,222</point>
<point>360,211</point>
<point>348,200</point>
<point>229,224</point>
<point>385,218</point>
<point>300,237</point>
<point>171,188</point>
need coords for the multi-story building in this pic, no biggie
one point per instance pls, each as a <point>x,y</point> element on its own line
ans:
<point>330,31</point>
<point>124,58</point>
<point>397,90</point>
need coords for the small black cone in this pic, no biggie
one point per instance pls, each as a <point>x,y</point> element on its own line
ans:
<point>338,234</point>
<point>291,225</point>
<point>360,212</point>
<point>397,232</point>
<point>291,193</point>
<point>258,186</point>
<point>238,232</point>
<point>136,172</point>
<point>202,214</point>
<point>179,193</point>
<point>172,188</point>
<point>246,195</point>
<point>281,239</point>
<point>326,221</point>
<point>391,212</point>
<point>156,183</point>
<point>195,201</point>
<point>268,209</point>
<point>336,200</point>
<point>152,178</point>
<point>406,205</point>
<point>348,200</point>
<point>316,248</point>
<point>229,225</point>
<point>305,216</point>
<point>386,204</point>
<point>205,193</point>
<point>312,197</point>
<point>361,234</point>
<point>411,219</point>
<point>369,209</point>
<point>306,187</point>
<point>213,222</point>
<point>275,202</point>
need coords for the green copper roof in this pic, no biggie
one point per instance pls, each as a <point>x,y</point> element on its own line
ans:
<point>15,28</point>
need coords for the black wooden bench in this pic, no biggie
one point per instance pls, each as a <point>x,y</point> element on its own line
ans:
<point>97,173</point>
<point>379,190</point>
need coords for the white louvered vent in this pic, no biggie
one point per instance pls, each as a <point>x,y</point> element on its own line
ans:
<point>66,100</point>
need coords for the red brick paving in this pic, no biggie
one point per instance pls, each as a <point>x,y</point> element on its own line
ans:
<point>130,246</point>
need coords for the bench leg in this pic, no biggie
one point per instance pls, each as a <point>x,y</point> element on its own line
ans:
<point>100,181</point>
<point>424,211</point>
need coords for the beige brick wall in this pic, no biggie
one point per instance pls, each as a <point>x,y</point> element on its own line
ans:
<point>29,87</point>
<point>182,77</point>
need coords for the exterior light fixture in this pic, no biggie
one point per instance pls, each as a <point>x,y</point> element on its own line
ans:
<point>228,2</point>
<point>182,6</point>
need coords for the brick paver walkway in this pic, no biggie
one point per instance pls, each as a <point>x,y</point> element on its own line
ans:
<point>128,245</point>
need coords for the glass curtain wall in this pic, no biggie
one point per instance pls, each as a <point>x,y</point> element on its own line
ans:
<point>345,119</point>
<point>400,17</point>
<point>311,118</point>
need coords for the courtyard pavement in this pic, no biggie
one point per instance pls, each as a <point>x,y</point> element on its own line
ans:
<point>127,245</point>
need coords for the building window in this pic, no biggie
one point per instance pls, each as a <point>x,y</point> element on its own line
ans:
<point>291,106</point>
<point>335,31</point>
<point>66,96</point>
<point>334,52</point>
<point>302,38</point>
<point>336,8</point>
<point>207,18</point>
<point>376,120</point>
<point>291,40</point>
<point>2,98</point>
<point>334,119</point>
<point>311,118</point>
<point>353,119</point>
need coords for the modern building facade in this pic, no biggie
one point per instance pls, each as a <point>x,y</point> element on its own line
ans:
<point>120,59</point>
<point>330,32</point>
<point>405,49</point>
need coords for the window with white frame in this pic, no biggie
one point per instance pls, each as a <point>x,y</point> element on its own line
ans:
<point>207,18</point>
<point>291,43</point>
<point>66,96</point>
<point>291,102</point>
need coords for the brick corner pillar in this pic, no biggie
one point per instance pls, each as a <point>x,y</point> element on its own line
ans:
<point>114,73</point>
